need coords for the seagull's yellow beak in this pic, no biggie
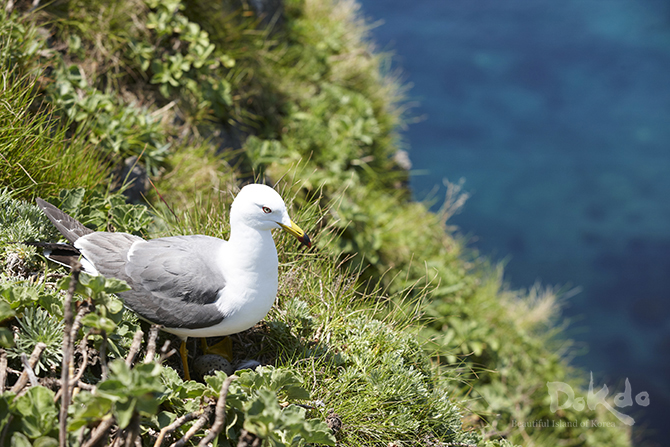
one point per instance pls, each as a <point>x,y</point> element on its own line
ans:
<point>296,231</point>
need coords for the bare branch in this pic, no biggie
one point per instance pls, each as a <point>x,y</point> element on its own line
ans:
<point>202,420</point>
<point>151,344</point>
<point>103,356</point>
<point>176,424</point>
<point>135,347</point>
<point>29,370</point>
<point>23,378</point>
<point>85,386</point>
<point>165,353</point>
<point>3,370</point>
<point>83,349</point>
<point>218,425</point>
<point>84,309</point>
<point>99,431</point>
<point>67,352</point>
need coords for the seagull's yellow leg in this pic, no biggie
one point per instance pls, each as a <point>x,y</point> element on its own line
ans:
<point>224,348</point>
<point>184,359</point>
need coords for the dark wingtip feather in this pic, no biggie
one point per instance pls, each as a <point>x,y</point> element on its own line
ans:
<point>63,254</point>
<point>67,225</point>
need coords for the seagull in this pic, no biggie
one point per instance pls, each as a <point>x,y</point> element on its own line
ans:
<point>196,285</point>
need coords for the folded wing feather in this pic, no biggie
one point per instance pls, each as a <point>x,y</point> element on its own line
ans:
<point>172,280</point>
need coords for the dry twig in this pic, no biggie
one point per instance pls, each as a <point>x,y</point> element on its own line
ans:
<point>83,310</point>
<point>83,349</point>
<point>3,370</point>
<point>103,356</point>
<point>176,424</point>
<point>202,420</point>
<point>29,370</point>
<point>218,425</point>
<point>165,353</point>
<point>151,344</point>
<point>67,353</point>
<point>23,378</point>
<point>85,386</point>
<point>99,431</point>
<point>135,347</point>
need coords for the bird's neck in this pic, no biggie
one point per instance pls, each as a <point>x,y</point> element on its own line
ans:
<point>254,246</point>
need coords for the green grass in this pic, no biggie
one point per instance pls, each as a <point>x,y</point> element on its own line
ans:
<point>36,152</point>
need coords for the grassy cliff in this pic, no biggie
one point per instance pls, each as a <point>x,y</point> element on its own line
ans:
<point>390,332</point>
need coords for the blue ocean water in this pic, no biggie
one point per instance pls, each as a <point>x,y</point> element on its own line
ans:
<point>557,115</point>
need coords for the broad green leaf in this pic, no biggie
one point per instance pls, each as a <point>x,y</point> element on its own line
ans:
<point>120,371</point>
<point>6,400</point>
<point>165,418</point>
<point>88,408</point>
<point>95,283</point>
<point>114,285</point>
<point>123,410</point>
<point>37,411</point>
<point>147,404</point>
<point>216,380</point>
<point>111,303</point>
<point>262,413</point>
<point>319,433</point>
<point>19,440</point>
<point>45,441</point>
<point>70,200</point>
<point>18,296</point>
<point>288,382</point>
<point>6,311</point>
<point>6,338</point>
<point>96,321</point>
<point>151,371</point>
<point>171,378</point>
<point>113,389</point>
<point>192,389</point>
<point>52,303</point>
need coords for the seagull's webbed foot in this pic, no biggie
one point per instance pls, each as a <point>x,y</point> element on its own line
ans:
<point>224,348</point>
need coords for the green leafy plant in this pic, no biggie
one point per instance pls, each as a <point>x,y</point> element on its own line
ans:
<point>37,326</point>
<point>6,312</point>
<point>35,415</point>
<point>265,418</point>
<point>126,393</point>
<point>104,211</point>
<point>111,125</point>
<point>21,221</point>
<point>183,60</point>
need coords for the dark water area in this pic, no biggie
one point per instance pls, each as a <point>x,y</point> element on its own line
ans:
<point>557,115</point>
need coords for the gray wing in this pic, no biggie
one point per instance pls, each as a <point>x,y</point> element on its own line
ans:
<point>172,279</point>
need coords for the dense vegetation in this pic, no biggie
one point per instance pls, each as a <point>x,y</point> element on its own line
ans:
<point>390,332</point>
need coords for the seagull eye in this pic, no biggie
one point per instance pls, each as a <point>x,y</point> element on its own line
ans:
<point>266,210</point>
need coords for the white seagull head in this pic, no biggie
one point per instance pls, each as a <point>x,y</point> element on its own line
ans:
<point>262,208</point>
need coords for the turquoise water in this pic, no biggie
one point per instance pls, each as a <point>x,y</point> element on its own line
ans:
<point>557,115</point>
